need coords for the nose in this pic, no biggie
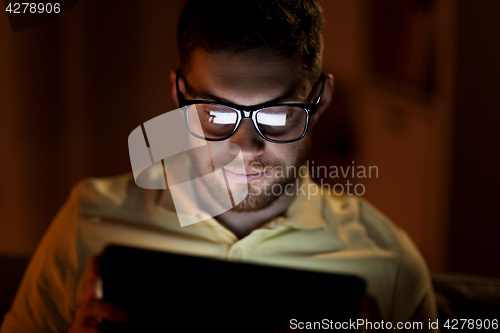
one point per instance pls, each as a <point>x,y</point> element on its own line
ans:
<point>248,139</point>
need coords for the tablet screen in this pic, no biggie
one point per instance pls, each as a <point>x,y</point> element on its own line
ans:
<point>170,292</point>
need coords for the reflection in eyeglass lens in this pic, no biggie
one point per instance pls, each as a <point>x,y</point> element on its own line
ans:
<point>218,121</point>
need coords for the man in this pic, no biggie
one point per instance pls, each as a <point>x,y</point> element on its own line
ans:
<point>253,62</point>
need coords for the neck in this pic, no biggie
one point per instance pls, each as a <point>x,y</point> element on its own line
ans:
<point>242,223</point>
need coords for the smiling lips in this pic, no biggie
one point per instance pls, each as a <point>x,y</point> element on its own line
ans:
<point>242,175</point>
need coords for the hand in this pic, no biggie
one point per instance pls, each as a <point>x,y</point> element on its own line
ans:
<point>93,309</point>
<point>371,312</point>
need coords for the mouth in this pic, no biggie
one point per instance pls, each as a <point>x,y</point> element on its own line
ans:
<point>245,175</point>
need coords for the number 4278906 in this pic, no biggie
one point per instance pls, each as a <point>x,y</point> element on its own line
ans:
<point>33,8</point>
<point>464,324</point>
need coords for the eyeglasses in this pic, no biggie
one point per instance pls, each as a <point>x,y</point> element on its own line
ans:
<point>277,123</point>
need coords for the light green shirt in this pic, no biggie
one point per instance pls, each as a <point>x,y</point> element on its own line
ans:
<point>319,232</point>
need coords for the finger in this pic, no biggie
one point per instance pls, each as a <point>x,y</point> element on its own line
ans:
<point>371,310</point>
<point>93,282</point>
<point>81,329</point>
<point>83,323</point>
<point>100,310</point>
<point>90,330</point>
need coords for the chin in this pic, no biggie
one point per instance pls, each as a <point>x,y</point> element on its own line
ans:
<point>254,204</point>
<point>259,197</point>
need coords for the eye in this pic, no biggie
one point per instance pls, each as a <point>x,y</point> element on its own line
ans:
<point>272,119</point>
<point>221,117</point>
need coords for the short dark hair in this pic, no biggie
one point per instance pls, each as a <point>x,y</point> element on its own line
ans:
<point>289,28</point>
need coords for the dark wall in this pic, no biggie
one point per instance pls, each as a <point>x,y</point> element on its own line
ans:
<point>71,91</point>
<point>475,221</point>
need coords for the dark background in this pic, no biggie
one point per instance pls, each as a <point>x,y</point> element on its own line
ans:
<point>417,94</point>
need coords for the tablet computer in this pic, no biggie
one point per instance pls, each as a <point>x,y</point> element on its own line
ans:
<point>168,292</point>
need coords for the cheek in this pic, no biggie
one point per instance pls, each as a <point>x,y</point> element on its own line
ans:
<point>296,152</point>
<point>287,153</point>
<point>199,154</point>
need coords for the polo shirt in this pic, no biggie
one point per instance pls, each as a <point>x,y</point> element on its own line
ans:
<point>319,231</point>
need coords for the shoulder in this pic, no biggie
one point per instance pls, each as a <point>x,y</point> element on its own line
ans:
<point>51,288</point>
<point>352,211</point>
<point>405,275</point>
<point>116,197</point>
<point>412,269</point>
<point>107,191</point>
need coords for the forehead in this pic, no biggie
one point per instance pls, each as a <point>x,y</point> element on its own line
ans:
<point>247,78</point>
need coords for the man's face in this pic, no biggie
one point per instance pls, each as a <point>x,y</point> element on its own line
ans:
<point>248,78</point>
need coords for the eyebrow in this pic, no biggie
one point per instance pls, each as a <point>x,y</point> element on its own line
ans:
<point>291,96</point>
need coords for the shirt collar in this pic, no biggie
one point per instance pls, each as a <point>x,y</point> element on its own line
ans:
<point>305,211</point>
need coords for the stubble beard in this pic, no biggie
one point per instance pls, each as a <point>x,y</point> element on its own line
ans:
<point>259,197</point>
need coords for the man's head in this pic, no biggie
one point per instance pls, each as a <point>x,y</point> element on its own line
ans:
<point>250,53</point>
<point>287,28</point>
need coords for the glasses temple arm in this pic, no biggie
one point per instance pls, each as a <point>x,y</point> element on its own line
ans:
<point>180,95</point>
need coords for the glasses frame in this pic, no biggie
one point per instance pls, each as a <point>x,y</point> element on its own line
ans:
<point>249,111</point>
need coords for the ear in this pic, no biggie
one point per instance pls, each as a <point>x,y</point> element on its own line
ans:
<point>173,75</point>
<point>325,99</point>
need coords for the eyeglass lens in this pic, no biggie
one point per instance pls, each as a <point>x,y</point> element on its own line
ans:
<point>281,123</point>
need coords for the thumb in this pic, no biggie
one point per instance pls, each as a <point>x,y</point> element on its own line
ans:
<point>93,281</point>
